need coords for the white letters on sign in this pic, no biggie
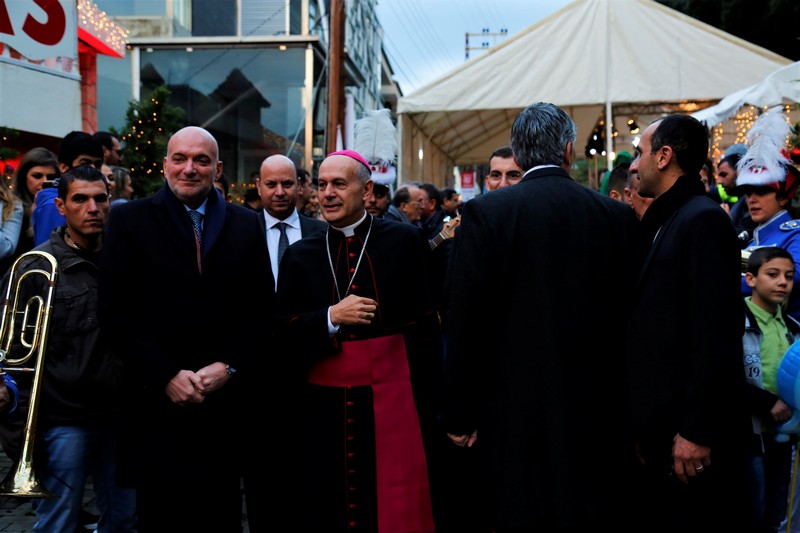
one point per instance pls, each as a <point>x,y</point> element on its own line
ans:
<point>39,29</point>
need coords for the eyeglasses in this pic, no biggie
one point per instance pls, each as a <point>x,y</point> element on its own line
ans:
<point>509,175</point>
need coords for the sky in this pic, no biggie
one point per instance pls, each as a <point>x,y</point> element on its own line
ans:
<point>426,39</point>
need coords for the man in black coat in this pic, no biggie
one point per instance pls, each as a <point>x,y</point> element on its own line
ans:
<point>685,341</point>
<point>185,336</point>
<point>534,365</point>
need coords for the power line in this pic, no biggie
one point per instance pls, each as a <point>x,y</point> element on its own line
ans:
<point>434,33</point>
<point>397,59</point>
<point>414,28</point>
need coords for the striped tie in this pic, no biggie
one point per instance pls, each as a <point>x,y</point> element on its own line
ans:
<point>283,243</point>
<point>197,221</point>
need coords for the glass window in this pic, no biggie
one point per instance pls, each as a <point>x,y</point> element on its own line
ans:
<point>213,18</point>
<point>264,17</point>
<point>133,8</point>
<point>251,100</point>
<point>113,90</point>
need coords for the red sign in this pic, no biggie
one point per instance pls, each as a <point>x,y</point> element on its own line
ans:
<point>468,179</point>
<point>467,185</point>
<point>39,29</point>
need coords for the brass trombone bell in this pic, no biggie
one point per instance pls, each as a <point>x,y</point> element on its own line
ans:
<point>19,343</point>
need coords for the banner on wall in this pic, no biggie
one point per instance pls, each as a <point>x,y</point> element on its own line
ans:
<point>40,29</point>
<point>467,185</point>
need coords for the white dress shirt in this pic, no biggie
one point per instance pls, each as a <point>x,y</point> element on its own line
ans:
<point>274,235</point>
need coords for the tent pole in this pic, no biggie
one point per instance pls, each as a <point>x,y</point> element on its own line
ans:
<point>609,136</point>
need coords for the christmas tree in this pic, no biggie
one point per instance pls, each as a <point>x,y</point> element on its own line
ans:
<point>6,134</point>
<point>149,124</point>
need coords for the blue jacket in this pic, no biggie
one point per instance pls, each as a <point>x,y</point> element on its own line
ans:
<point>784,232</point>
<point>13,391</point>
<point>45,216</point>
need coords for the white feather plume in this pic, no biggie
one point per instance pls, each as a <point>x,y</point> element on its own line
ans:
<point>375,137</point>
<point>765,160</point>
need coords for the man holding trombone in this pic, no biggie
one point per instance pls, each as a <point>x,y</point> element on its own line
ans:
<point>72,390</point>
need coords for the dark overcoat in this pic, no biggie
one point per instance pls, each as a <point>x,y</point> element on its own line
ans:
<point>685,353</point>
<point>535,360</point>
<point>164,315</point>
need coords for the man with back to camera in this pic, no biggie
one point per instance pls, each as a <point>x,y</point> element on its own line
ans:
<point>524,381</point>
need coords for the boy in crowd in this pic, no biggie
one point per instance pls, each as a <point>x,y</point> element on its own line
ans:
<point>768,335</point>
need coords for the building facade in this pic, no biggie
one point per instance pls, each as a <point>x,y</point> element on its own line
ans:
<point>48,55</point>
<point>252,72</point>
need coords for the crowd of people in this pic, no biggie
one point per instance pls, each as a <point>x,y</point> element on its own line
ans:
<point>543,357</point>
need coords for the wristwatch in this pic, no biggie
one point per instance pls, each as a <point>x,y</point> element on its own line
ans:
<point>230,370</point>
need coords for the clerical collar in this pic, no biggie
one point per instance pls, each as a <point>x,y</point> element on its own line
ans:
<point>350,230</point>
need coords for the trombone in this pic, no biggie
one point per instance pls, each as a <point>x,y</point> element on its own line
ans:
<point>21,480</point>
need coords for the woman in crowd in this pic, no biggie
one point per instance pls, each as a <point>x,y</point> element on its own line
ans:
<point>38,166</point>
<point>123,190</point>
<point>10,221</point>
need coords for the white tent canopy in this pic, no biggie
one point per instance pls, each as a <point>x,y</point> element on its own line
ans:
<point>780,86</point>
<point>628,58</point>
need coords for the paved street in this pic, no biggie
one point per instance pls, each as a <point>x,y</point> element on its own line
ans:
<point>16,515</point>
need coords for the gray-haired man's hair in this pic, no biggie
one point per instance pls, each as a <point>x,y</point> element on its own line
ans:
<point>540,135</point>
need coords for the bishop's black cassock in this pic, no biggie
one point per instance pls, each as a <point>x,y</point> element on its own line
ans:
<point>366,396</point>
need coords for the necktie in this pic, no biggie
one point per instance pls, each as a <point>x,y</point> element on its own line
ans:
<point>283,242</point>
<point>197,221</point>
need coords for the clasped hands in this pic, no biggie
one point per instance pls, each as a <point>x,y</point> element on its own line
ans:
<point>187,387</point>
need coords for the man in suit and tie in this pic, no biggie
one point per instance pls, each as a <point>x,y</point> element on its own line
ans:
<point>166,284</point>
<point>278,187</point>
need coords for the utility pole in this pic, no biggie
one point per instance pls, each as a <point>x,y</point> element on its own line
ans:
<point>485,34</point>
<point>336,78</point>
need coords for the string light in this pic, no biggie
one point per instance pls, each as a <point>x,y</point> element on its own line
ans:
<point>99,25</point>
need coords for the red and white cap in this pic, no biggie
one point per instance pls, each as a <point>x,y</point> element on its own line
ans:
<point>767,163</point>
